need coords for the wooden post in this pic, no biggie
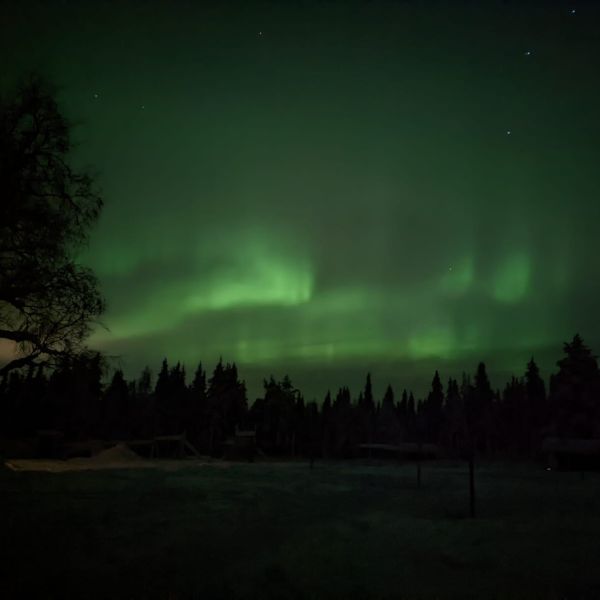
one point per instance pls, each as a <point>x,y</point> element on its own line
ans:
<point>419,449</point>
<point>472,484</point>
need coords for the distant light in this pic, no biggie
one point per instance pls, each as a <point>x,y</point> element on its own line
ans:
<point>142,107</point>
<point>260,33</point>
<point>508,132</point>
<point>96,96</point>
<point>548,469</point>
<point>527,52</point>
<point>573,11</point>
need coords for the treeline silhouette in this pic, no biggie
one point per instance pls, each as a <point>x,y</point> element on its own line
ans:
<point>460,416</point>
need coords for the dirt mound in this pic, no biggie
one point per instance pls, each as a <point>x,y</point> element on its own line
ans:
<point>115,454</point>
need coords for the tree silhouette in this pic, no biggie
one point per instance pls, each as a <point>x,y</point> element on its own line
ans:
<point>366,412</point>
<point>537,408</point>
<point>432,409</point>
<point>514,418</point>
<point>454,428</point>
<point>575,392</point>
<point>327,428</point>
<point>388,424</point>
<point>469,420</point>
<point>162,394</point>
<point>227,404</point>
<point>274,415</point>
<point>178,399</point>
<point>411,416</point>
<point>74,394</point>
<point>117,407</point>
<point>480,410</point>
<point>345,435</point>
<point>47,300</point>
<point>144,385</point>
<point>197,414</point>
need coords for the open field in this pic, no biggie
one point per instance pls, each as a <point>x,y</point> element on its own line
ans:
<point>342,530</point>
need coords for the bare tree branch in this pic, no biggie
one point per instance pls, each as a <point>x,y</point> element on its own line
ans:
<point>47,301</point>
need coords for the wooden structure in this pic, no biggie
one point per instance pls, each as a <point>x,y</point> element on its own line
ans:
<point>241,446</point>
<point>144,448</point>
<point>49,443</point>
<point>404,451</point>
<point>84,448</point>
<point>571,454</point>
<point>161,446</point>
<point>173,446</point>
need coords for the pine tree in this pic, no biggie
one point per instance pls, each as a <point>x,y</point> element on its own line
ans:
<point>198,386</point>
<point>366,412</point>
<point>227,402</point>
<point>162,383</point>
<point>454,428</point>
<point>327,425</point>
<point>145,382</point>
<point>388,398</point>
<point>411,416</point>
<point>117,412</point>
<point>388,426</point>
<point>368,401</point>
<point>537,408</point>
<point>403,405</point>
<point>575,394</point>
<point>513,417</point>
<point>480,410</point>
<point>343,422</point>
<point>433,409</point>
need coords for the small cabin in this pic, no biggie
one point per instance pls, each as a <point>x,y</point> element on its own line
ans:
<point>242,446</point>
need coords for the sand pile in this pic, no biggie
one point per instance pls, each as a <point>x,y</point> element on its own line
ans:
<point>116,454</point>
<point>115,457</point>
<point>119,456</point>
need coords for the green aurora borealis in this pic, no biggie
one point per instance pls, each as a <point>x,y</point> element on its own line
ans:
<point>326,188</point>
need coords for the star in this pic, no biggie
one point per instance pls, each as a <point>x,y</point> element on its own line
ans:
<point>527,52</point>
<point>572,11</point>
<point>260,34</point>
<point>96,96</point>
<point>508,132</point>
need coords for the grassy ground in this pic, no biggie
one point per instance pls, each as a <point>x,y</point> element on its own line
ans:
<point>342,530</point>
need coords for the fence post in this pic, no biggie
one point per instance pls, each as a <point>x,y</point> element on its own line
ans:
<point>472,484</point>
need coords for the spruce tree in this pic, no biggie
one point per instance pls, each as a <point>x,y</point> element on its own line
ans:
<point>575,395</point>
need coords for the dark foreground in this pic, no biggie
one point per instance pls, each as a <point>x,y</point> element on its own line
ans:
<point>343,530</point>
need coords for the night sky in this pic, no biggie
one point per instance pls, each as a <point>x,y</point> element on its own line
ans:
<point>323,189</point>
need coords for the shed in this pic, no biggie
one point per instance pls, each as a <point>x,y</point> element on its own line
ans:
<point>571,453</point>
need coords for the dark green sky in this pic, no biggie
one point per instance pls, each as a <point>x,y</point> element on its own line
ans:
<point>328,188</point>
